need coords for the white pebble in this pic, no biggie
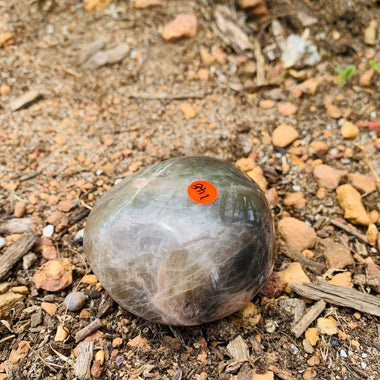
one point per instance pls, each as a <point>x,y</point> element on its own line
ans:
<point>78,238</point>
<point>28,260</point>
<point>294,348</point>
<point>343,353</point>
<point>2,242</point>
<point>48,231</point>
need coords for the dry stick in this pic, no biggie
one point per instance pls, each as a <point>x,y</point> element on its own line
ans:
<point>339,295</point>
<point>163,96</point>
<point>260,62</point>
<point>88,330</point>
<point>308,318</point>
<point>15,252</point>
<point>316,268</point>
<point>350,230</point>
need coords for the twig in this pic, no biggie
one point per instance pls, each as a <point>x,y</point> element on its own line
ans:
<point>26,177</point>
<point>163,96</point>
<point>260,62</point>
<point>350,230</point>
<point>315,267</point>
<point>49,365</point>
<point>369,164</point>
<point>313,313</point>
<point>15,252</point>
<point>9,337</point>
<point>340,295</point>
<point>88,330</point>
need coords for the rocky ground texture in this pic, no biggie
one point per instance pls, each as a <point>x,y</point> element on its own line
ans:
<point>91,92</point>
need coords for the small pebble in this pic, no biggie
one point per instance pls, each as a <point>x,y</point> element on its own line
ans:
<point>295,349</point>
<point>75,301</point>
<point>184,25</point>
<point>349,130</point>
<point>78,238</point>
<point>48,230</point>
<point>28,260</point>
<point>284,135</point>
<point>2,242</point>
<point>20,208</point>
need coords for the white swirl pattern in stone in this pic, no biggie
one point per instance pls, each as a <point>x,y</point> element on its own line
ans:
<point>169,259</point>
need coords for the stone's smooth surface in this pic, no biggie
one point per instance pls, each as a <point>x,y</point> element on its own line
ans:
<point>75,301</point>
<point>169,259</point>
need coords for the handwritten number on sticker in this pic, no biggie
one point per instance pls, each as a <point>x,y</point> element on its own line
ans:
<point>202,192</point>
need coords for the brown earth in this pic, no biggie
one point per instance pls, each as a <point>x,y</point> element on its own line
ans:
<point>90,126</point>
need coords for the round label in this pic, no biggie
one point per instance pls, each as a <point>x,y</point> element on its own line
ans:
<point>202,192</point>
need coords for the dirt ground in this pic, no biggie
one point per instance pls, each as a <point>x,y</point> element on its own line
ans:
<point>87,127</point>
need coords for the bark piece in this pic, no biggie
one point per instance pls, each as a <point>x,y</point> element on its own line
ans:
<point>238,349</point>
<point>10,226</point>
<point>15,252</point>
<point>299,328</point>
<point>25,100</point>
<point>84,359</point>
<point>312,265</point>
<point>88,330</point>
<point>341,296</point>
<point>236,37</point>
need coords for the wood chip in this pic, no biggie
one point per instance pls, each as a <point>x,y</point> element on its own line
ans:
<point>238,349</point>
<point>84,359</point>
<point>313,313</point>
<point>15,252</point>
<point>88,330</point>
<point>237,38</point>
<point>313,266</point>
<point>10,226</point>
<point>25,100</point>
<point>341,296</point>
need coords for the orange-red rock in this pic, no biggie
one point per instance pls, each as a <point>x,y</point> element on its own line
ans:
<point>297,234</point>
<point>284,135</point>
<point>362,182</point>
<point>184,25</point>
<point>351,202</point>
<point>296,200</point>
<point>327,176</point>
<point>287,108</point>
<point>54,275</point>
<point>337,254</point>
<point>293,274</point>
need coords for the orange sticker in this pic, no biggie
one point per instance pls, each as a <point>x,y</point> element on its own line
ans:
<point>202,192</point>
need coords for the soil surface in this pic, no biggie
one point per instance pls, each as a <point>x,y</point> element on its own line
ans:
<point>88,125</point>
